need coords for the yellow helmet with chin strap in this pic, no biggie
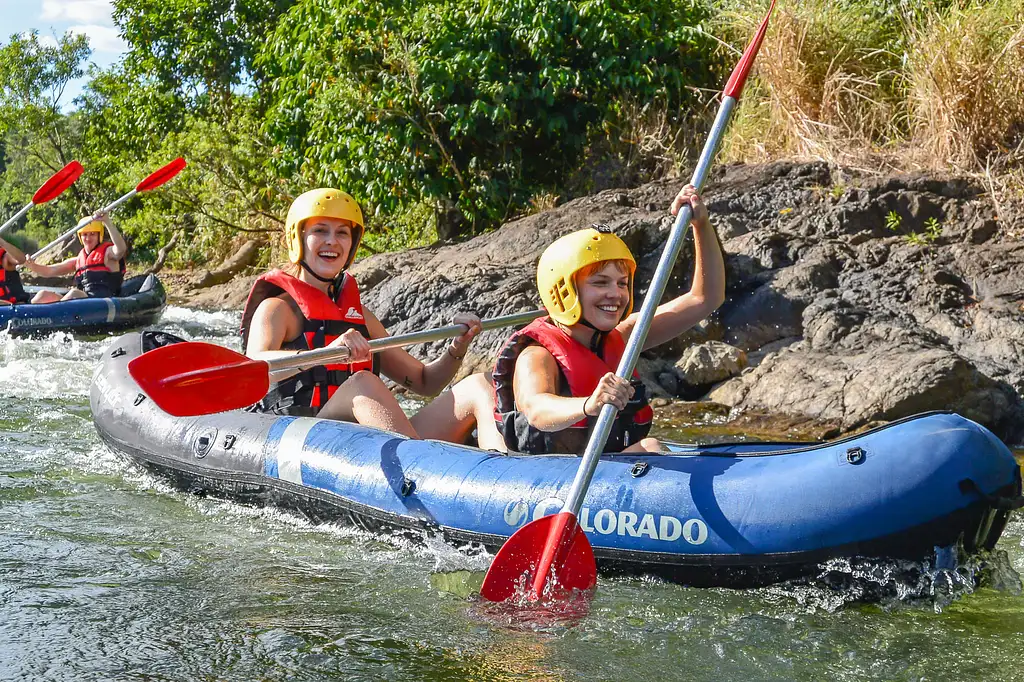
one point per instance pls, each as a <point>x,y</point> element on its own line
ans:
<point>322,203</point>
<point>90,225</point>
<point>568,255</point>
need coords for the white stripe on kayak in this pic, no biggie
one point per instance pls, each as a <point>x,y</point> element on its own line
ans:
<point>111,310</point>
<point>289,449</point>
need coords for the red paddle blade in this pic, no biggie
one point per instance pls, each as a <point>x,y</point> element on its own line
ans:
<point>734,86</point>
<point>159,177</point>
<point>189,379</point>
<point>519,570</point>
<point>57,183</point>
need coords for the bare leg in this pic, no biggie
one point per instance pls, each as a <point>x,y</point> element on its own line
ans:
<point>73,294</point>
<point>45,297</point>
<point>453,414</point>
<point>364,399</point>
<point>652,445</point>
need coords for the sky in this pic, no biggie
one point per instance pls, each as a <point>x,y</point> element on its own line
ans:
<point>55,17</point>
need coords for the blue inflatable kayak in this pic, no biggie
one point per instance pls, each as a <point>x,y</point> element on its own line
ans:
<point>141,303</point>
<point>732,514</point>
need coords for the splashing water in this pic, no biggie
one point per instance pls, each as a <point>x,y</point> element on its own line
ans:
<point>108,573</point>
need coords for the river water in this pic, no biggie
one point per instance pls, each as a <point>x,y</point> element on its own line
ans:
<point>107,574</point>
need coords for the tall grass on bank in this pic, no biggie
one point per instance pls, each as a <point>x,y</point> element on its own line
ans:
<point>965,78</point>
<point>884,84</point>
<point>827,82</point>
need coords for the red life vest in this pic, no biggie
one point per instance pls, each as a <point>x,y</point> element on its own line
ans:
<point>94,277</point>
<point>581,369</point>
<point>323,320</point>
<point>11,289</point>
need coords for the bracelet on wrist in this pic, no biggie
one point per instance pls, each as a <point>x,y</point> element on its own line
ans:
<point>459,358</point>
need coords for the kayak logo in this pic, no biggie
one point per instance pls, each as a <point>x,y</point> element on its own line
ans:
<point>30,321</point>
<point>516,513</point>
<point>353,314</point>
<point>609,522</point>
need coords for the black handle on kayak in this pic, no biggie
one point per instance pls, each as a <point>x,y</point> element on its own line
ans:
<point>1001,502</point>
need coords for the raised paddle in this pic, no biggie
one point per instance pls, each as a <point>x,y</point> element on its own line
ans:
<point>152,181</point>
<point>51,189</point>
<point>193,378</point>
<point>551,557</point>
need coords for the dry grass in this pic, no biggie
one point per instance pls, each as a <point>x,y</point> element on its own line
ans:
<point>965,75</point>
<point>824,88</point>
<point>939,87</point>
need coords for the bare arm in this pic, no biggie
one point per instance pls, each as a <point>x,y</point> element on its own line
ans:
<point>424,379</point>
<point>708,291</point>
<point>15,256</point>
<point>66,267</point>
<point>535,385</point>
<point>120,248</point>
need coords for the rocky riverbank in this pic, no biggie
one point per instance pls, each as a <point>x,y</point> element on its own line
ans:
<point>851,298</point>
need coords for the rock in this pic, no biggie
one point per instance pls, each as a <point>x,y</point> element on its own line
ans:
<point>841,317</point>
<point>241,259</point>
<point>710,363</point>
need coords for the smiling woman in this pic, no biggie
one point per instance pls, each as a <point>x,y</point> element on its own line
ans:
<point>553,377</point>
<point>316,304</point>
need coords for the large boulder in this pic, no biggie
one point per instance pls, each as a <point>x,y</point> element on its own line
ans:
<point>855,298</point>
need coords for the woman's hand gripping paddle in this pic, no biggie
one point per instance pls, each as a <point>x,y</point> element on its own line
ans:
<point>193,378</point>
<point>550,557</point>
<point>50,190</point>
<point>152,181</point>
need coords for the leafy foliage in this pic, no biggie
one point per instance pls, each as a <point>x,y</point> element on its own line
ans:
<point>470,107</point>
<point>197,49</point>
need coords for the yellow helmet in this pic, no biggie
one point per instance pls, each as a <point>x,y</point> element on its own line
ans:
<point>565,257</point>
<point>321,203</point>
<point>89,225</point>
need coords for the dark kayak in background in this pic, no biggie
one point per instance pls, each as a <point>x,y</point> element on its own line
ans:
<point>738,515</point>
<point>141,303</point>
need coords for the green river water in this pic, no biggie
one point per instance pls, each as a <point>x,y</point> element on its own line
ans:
<point>107,574</point>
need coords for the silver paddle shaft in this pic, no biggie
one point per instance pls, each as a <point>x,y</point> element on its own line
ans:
<point>106,209</point>
<point>595,446</point>
<point>16,217</point>
<point>320,356</point>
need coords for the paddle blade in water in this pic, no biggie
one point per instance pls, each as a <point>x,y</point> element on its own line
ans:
<point>57,183</point>
<point>544,560</point>
<point>189,379</point>
<point>159,177</point>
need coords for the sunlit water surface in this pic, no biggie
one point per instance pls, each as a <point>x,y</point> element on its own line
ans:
<point>106,573</point>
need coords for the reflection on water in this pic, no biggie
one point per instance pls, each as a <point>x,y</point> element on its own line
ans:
<point>106,573</point>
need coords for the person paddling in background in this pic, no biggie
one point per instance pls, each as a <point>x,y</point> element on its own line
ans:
<point>553,376</point>
<point>98,268</point>
<point>11,290</point>
<point>317,304</point>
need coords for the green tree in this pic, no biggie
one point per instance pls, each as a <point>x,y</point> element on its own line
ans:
<point>33,78</point>
<point>469,106</point>
<point>200,50</point>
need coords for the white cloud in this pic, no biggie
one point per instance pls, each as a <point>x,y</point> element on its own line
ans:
<point>101,38</point>
<point>83,11</point>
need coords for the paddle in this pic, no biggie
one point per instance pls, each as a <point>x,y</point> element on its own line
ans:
<point>51,189</point>
<point>550,553</point>
<point>208,378</point>
<point>152,181</point>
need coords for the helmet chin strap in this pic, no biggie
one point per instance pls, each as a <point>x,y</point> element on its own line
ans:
<point>597,339</point>
<point>333,283</point>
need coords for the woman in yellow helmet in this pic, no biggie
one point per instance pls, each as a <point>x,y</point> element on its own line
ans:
<point>318,305</point>
<point>98,268</point>
<point>553,377</point>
